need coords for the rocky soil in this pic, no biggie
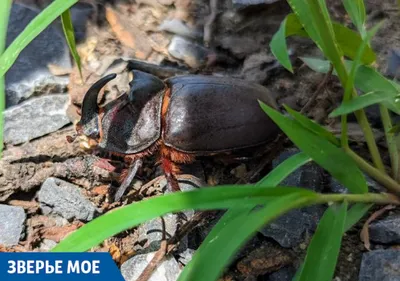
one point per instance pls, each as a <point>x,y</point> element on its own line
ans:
<point>49,187</point>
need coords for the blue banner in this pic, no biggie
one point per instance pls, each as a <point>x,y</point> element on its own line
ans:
<point>58,267</point>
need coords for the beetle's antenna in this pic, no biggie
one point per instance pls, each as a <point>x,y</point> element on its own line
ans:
<point>128,180</point>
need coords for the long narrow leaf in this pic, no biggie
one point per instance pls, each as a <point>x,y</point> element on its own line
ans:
<point>362,102</point>
<point>70,37</point>
<point>5,8</point>
<point>131,215</point>
<point>323,251</point>
<point>323,152</point>
<point>312,126</point>
<point>33,29</point>
<point>356,11</point>
<point>279,47</point>
<point>355,213</point>
<point>210,260</point>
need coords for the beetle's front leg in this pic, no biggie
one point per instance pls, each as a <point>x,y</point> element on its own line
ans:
<point>128,179</point>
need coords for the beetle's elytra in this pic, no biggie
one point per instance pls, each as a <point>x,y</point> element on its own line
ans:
<point>178,118</point>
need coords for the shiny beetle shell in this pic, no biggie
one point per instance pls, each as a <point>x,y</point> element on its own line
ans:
<point>210,114</point>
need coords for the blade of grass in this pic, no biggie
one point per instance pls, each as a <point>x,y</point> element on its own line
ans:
<point>312,126</point>
<point>131,215</point>
<point>356,11</point>
<point>215,254</point>
<point>355,213</point>
<point>391,142</point>
<point>323,251</point>
<point>33,29</point>
<point>279,47</point>
<point>349,42</point>
<point>362,102</point>
<point>323,152</point>
<point>70,37</point>
<point>5,8</point>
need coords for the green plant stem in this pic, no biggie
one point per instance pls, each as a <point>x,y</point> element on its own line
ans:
<point>370,139</point>
<point>394,155</point>
<point>5,7</point>
<point>382,178</point>
<point>378,198</point>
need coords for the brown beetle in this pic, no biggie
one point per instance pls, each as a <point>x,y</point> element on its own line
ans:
<point>180,118</point>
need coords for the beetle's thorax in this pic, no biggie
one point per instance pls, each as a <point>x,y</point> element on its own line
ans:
<point>132,123</point>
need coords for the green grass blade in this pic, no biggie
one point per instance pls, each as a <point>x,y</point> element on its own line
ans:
<point>70,37</point>
<point>349,42</point>
<point>312,126</point>
<point>355,213</point>
<point>279,48</point>
<point>115,221</point>
<point>323,152</point>
<point>210,260</point>
<point>356,11</point>
<point>33,29</point>
<point>362,102</point>
<point>323,251</point>
<point>5,9</point>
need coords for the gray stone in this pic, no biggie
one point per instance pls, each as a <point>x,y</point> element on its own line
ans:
<point>35,118</point>
<point>29,73</point>
<point>11,224</point>
<point>257,67</point>
<point>168,270</point>
<point>47,245</point>
<point>193,54</point>
<point>65,199</point>
<point>393,68</point>
<point>337,187</point>
<point>382,265</point>
<point>80,12</point>
<point>284,274</point>
<point>386,231</point>
<point>186,256</point>
<point>239,45</point>
<point>150,233</point>
<point>290,230</point>
<point>308,176</point>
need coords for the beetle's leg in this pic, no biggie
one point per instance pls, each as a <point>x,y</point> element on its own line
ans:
<point>128,179</point>
<point>170,168</point>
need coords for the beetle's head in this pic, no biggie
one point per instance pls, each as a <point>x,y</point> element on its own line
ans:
<point>113,127</point>
<point>89,126</point>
